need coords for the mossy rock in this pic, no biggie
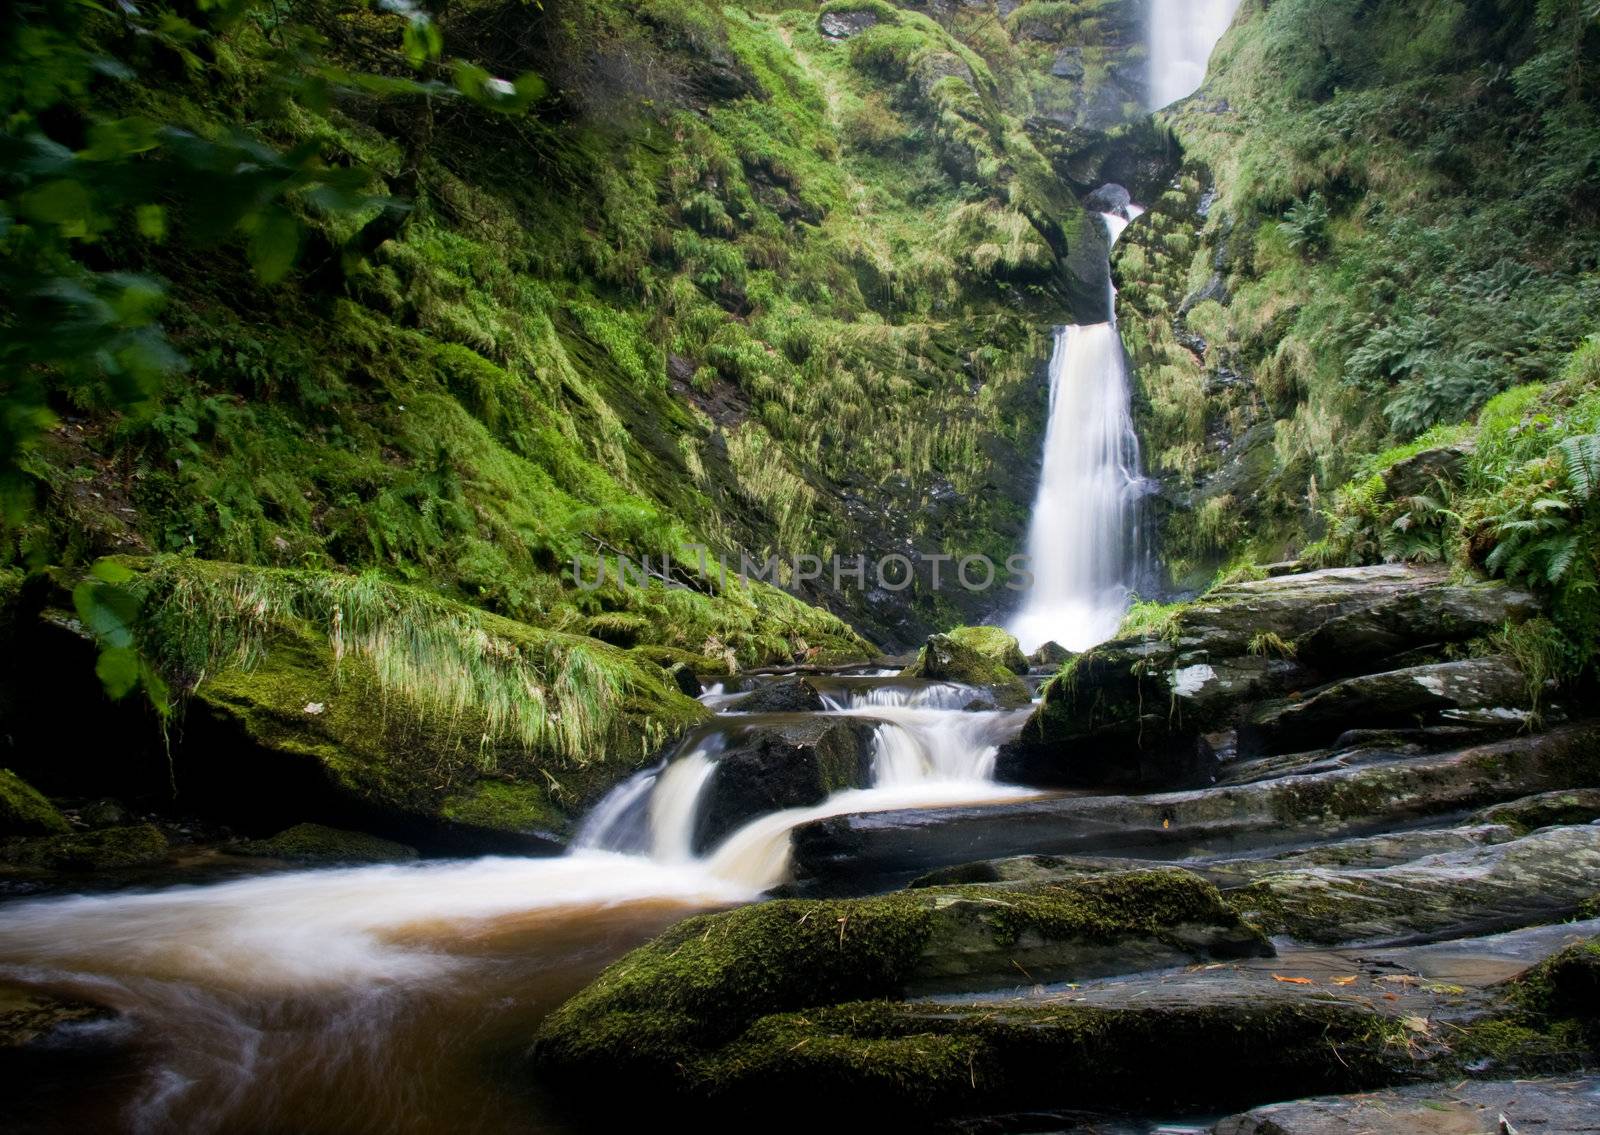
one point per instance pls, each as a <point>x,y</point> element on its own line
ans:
<point>402,740</point>
<point>317,843</point>
<point>1574,806</point>
<point>944,659</point>
<point>106,849</point>
<point>996,644</point>
<point>25,811</point>
<point>696,1012</point>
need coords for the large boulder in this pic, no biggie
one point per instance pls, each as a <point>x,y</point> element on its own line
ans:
<point>1147,711</point>
<point>685,1015</point>
<point>1483,691</point>
<point>1564,1106</point>
<point>797,1000</point>
<point>785,695</point>
<point>25,811</point>
<point>945,659</point>
<point>770,768</point>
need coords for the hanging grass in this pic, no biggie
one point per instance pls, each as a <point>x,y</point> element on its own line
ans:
<point>434,660</point>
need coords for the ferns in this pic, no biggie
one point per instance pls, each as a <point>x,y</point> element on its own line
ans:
<point>1582,458</point>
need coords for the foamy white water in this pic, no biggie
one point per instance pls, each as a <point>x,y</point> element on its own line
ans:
<point>283,1000</point>
<point>1182,36</point>
<point>310,930</point>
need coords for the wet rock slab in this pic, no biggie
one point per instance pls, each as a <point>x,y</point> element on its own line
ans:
<point>1500,1107</point>
<point>864,850</point>
<point>1540,877</point>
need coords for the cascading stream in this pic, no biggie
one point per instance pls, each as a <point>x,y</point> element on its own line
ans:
<point>309,998</point>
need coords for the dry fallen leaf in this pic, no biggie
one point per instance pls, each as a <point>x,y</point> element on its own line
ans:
<point>1292,980</point>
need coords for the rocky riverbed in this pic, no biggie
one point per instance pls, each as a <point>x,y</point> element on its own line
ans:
<point>1321,833</point>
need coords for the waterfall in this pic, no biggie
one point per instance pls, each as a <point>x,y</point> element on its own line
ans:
<point>1182,34</point>
<point>1082,537</point>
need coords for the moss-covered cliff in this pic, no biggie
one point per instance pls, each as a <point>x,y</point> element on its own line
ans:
<point>1383,220</point>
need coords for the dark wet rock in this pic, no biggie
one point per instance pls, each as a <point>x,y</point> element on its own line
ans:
<point>1484,691</point>
<point>1109,198</point>
<point>54,1049</point>
<point>944,659</point>
<point>105,849</point>
<point>1427,616</point>
<point>30,1018</point>
<point>1542,877</point>
<point>317,843</point>
<point>1068,64</point>
<point>1290,810</point>
<point>1140,712</point>
<point>1362,853</point>
<point>786,695</point>
<point>1550,1107</point>
<point>843,25</point>
<point>105,813</point>
<point>685,679</point>
<point>783,765</point>
<point>25,811</point>
<point>1568,806</point>
<point>1050,656</point>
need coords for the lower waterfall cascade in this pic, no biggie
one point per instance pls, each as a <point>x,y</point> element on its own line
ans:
<point>1083,539</point>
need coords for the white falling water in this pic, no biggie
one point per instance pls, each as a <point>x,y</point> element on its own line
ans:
<point>1182,35</point>
<point>1085,514</point>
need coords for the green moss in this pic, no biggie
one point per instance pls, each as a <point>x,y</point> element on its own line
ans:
<point>105,849</point>
<point>511,807</point>
<point>24,811</point>
<point>995,643</point>
<point>944,659</point>
<point>316,843</point>
<point>700,1007</point>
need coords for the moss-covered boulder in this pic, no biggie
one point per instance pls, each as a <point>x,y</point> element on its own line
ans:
<point>694,1011</point>
<point>25,811</point>
<point>102,850</point>
<point>317,843</point>
<point>996,644</point>
<point>1141,710</point>
<point>1568,806</point>
<point>945,659</point>
<point>390,709</point>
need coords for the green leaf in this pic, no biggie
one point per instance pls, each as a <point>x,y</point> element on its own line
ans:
<point>111,571</point>
<point>118,670</point>
<point>274,240</point>
<point>152,221</point>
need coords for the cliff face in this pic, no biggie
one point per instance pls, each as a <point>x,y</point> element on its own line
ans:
<point>1381,222</point>
<point>776,283</point>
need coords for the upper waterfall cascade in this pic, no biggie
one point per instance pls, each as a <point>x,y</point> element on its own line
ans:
<point>1182,36</point>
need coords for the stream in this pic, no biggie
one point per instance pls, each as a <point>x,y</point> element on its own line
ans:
<point>395,998</point>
